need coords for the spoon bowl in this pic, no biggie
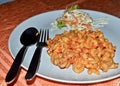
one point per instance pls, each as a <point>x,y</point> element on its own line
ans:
<point>28,37</point>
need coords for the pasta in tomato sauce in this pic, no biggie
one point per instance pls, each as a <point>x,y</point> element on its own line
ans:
<point>82,49</point>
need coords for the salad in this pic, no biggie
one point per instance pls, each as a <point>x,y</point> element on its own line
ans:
<point>74,18</point>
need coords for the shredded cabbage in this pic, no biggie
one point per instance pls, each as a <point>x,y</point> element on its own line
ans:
<point>74,18</point>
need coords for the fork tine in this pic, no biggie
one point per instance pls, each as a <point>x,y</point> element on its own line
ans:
<point>39,35</point>
<point>44,36</point>
<point>42,33</point>
<point>47,34</point>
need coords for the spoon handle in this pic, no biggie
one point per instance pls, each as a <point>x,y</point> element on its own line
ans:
<point>34,64</point>
<point>12,73</point>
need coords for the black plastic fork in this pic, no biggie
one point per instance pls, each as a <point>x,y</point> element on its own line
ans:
<point>34,64</point>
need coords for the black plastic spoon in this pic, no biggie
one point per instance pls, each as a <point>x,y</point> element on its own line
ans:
<point>29,36</point>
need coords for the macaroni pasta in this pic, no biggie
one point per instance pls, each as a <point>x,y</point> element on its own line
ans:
<point>82,49</point>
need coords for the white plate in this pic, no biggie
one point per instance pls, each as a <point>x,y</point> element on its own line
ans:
<point>47,69</point>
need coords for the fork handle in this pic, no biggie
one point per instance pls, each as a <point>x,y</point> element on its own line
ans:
<point>34,64</point>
